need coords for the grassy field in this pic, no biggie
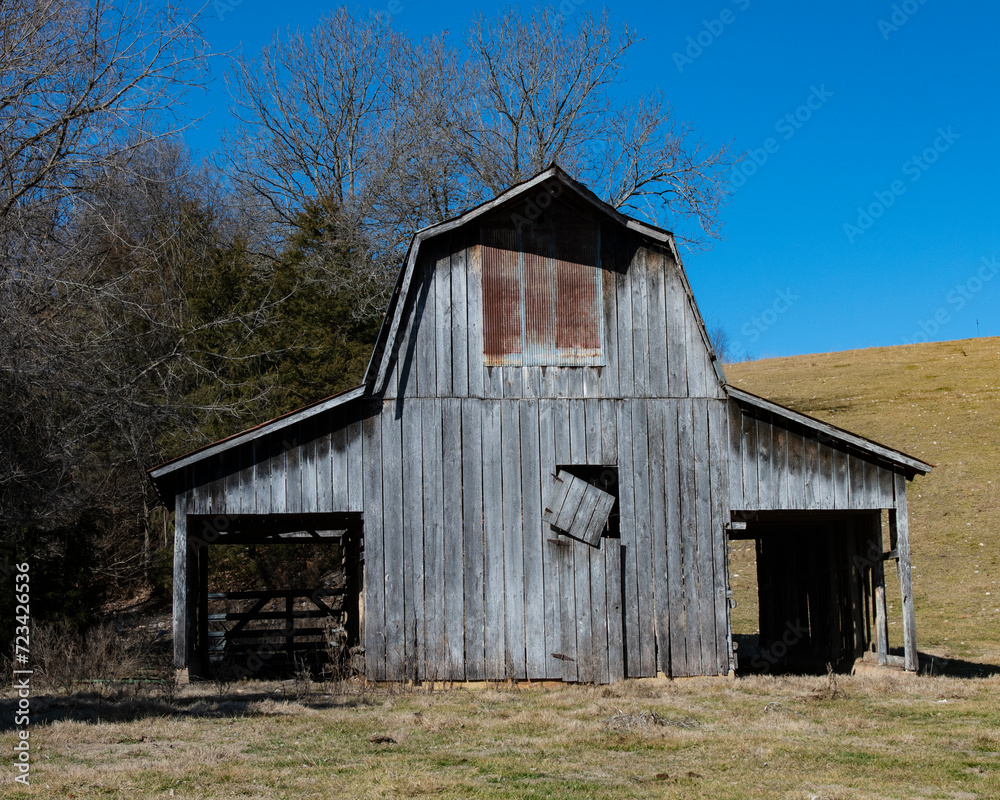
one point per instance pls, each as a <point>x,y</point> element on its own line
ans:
<point>888,736</point>
<point>869,736</point>
<point>941,403</point>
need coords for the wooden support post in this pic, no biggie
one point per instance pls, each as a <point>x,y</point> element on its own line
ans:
<point>180,585</point>
<point>856,591</point>
<point>354,597</point>
<point>194,551</point>
<point>834,615</point>
<point>898,522</point>
<point>881,622</point>
<point>201,647</point>
<point>878,592</point>
<point>866,560</point>
<point>290,630</point>
<point>358,548</point>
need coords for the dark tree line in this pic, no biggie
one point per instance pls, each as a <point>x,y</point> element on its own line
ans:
<point>150,303</point>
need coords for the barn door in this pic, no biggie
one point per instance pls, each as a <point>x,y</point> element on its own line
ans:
<point>590,578</point>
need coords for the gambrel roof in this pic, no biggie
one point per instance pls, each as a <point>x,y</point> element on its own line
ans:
<point>384,352</point>
<point>384,349</point>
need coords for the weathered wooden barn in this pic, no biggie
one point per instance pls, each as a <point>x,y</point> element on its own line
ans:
<point>541,473</point>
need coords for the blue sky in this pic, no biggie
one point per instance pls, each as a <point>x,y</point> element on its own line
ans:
<point>868,210</point>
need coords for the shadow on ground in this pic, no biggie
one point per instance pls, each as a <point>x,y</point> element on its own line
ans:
<point>956,667</point>
<point>755,660</point>
<point>242,701</point>
<point>94,707</point>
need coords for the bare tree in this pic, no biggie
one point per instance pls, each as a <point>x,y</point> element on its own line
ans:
<point>538,93</point>
<point>119,345</point>
<point>426,179</point>
<point>719,337</point>
<point>401,135</point>
<point>81,83</point>
<point>541,92</point>
<point>85,88</point>
<point>311,116</point>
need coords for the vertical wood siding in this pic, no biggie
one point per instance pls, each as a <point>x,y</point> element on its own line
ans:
<point>774,465</point>
<point>652,342</point>
<point>451,467</point>
<point>463,580</point>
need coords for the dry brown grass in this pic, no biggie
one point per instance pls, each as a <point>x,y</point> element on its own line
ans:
<point>941,403</point>
<point>103,658</point>
<point>762,737</point>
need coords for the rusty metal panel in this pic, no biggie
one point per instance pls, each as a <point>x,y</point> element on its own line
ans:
<point>501,296</point>
<point>578,304</point>
<point>542,298</point>
<point>537,250</point>
<point>539,310</point>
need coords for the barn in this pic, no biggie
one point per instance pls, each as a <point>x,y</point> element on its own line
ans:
<point>540,477</point>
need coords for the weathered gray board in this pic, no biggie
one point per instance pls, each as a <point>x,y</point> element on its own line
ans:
<point>460,578</point>
<point>397,454</point>
<point>646,302</point>
<point>591,648</point>
<point>500,555</point>
<point>776,464</point>
<point>577,507</point>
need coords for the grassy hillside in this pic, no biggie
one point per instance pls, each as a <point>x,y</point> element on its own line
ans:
<point>939,402</point>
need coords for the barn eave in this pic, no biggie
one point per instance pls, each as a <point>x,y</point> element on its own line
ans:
<point>164,476</point>
<point>910,465</point>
